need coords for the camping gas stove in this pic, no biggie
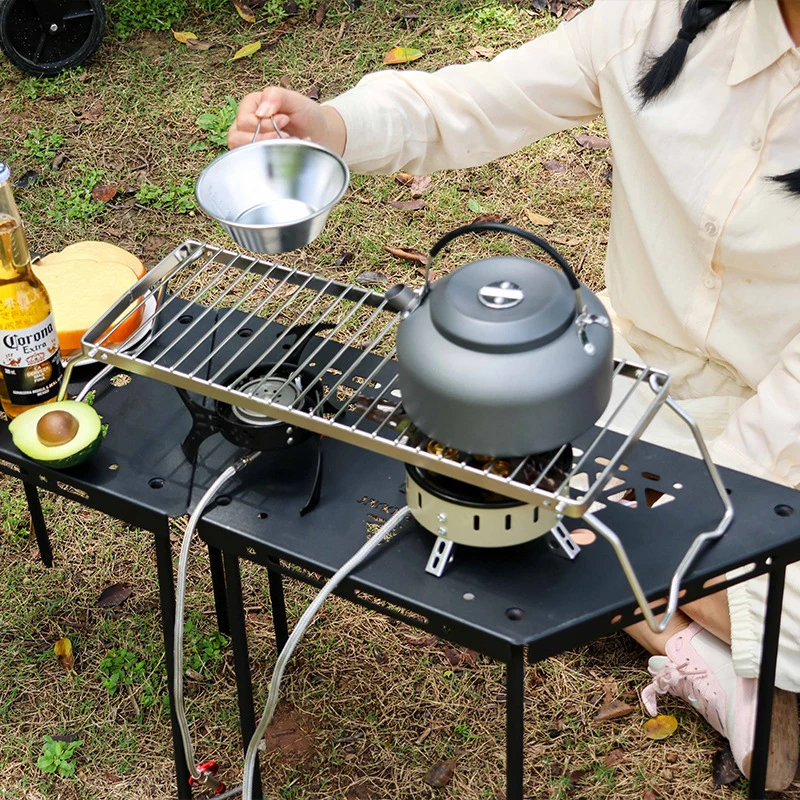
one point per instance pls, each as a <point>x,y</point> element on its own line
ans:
<point>319,357</point>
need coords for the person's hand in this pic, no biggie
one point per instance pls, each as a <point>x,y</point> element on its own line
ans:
<point>295,114</point>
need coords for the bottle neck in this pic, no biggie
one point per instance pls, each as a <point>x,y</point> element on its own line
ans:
<point>15,259</point>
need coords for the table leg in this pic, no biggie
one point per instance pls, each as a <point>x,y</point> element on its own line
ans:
<point>38,524</point>
<point>241,658</point>
<point>766,682</point>
<point>166,590</point>
<point>279,623</point>
<point>217,570</point>
<point>515,733</point>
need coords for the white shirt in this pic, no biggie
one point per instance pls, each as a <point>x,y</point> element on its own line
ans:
<point>703,262</point>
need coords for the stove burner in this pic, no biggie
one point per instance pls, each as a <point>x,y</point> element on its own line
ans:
<point>283,383</point>
<point>273,389</point>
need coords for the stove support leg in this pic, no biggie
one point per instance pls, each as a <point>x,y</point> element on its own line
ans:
<point>278,602</point>
<point>561,543</point>
<point>766,682</point>
<point>217,571</point>
<point>38,524</point>
<point>441,555</point>
<point>241,659</point>
<point>515,732</point>
<point>166,591</point>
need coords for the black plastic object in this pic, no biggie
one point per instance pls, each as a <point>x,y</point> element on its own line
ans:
<point>46,37</point>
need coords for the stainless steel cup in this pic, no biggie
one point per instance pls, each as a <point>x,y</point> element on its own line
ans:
<point>275,195</point>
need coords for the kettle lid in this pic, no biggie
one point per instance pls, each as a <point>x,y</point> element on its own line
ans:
<point>502,304</point>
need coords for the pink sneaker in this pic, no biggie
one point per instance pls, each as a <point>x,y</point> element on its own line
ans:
<point>698,668</point>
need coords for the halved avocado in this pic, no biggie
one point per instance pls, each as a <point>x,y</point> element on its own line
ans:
<point>58,435</point>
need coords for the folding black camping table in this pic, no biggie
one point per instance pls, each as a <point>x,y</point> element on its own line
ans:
<point>500,602</point>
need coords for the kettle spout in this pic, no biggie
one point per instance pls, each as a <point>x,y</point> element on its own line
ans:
<point>402,298</point>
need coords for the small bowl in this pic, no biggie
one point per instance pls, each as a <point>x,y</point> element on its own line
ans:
<point>274,195</point>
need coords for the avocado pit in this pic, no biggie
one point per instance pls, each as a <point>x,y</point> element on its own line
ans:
<point>56,428</point>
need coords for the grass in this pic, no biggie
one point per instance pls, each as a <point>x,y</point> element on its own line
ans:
<point>381,708</point>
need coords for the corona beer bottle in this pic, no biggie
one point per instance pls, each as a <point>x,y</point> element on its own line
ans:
<point>30,359</point>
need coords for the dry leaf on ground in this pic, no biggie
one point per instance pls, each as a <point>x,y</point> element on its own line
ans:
<point>244,11</point>
<point>408,255</point>
<point>440,775</point>
<point>104,192</point>
<point>724,767</point>
<point>247,50</point>
<point>370,278</point>
<point>114,595</point>
<point>406,205</point>
<point>314,92</point>
<point>660,727</point>
<point>402,55</point>
<point>63,649</point>
<point>554,166</point>
<point>612,710</point>
<point>538,219</point>
<point>319,17</point>
<point>592,142</point>
<point>183,36</point>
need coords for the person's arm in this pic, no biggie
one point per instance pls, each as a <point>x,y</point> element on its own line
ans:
<point>762,437</point>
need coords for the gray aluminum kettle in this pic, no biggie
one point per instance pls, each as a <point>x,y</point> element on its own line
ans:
<point>504,356</point>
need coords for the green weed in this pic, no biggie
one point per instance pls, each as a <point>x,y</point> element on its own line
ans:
<point>488,18</point>
<point>57,757</point>
<point>274,11</point>
<point>203,649</point>
<point>127,17</point>
<point>123,668</point>
<point>43,146</point>
<point>178,198</point>
<point>78,203</point>
<point>216,123</point>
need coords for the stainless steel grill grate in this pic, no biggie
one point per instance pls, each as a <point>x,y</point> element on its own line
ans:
<point>352,357</point>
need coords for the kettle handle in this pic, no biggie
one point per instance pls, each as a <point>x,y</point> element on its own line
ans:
<point>499,227</point>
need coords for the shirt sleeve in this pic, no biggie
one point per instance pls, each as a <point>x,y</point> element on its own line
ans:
<point>762,437</point>
<point>469,114</point>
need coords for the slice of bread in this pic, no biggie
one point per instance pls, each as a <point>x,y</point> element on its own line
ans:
<point>99,251</point>
<point>82,289</point>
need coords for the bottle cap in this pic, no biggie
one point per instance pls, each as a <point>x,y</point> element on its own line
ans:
<point>5,172</point>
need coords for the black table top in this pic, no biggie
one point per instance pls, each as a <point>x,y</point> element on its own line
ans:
<point>519,595</point>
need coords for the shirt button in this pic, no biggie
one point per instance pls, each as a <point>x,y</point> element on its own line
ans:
<point>756,142</point>
<point>710,228</point>
<point>709,282</point>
